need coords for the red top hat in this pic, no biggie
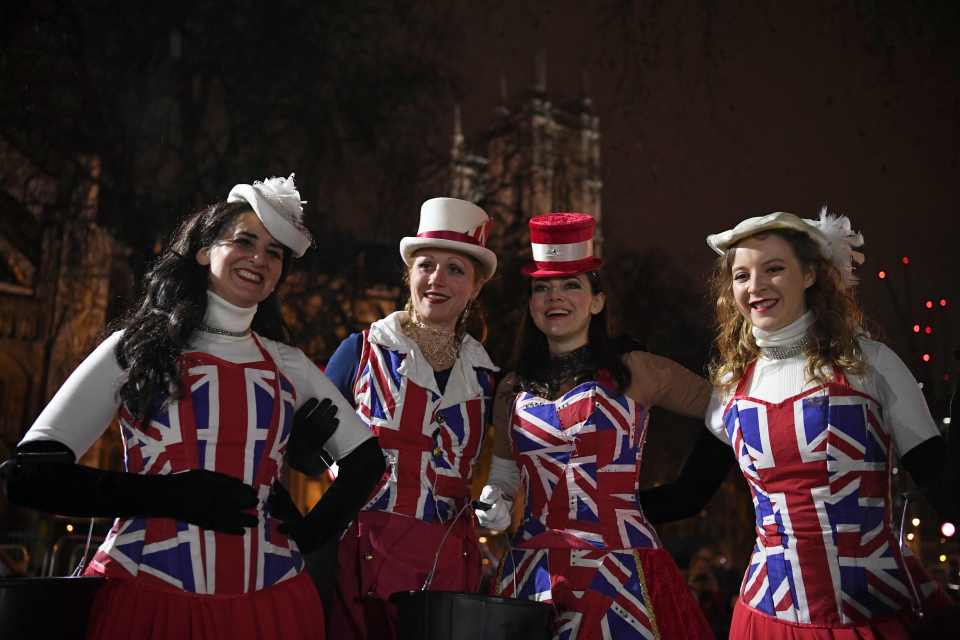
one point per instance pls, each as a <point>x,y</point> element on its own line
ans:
<point>562,245</point>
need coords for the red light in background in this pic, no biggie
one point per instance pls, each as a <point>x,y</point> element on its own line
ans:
<point>925,357</point>
<point>928,329</point>
<point>905,259</point>
<point>943,302</point>
<point>928,304</point>
<point>948,529</point>
<point>916,328</point>
<point>882,275</point>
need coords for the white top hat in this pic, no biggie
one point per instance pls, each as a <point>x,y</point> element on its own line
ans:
<point>832,233</point>
<point>454,225</point>
<point>277,203</point>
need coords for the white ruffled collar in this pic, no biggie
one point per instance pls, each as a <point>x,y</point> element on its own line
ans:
<point>221,314</point>
<point>462,384</point>
<point>786,336</point>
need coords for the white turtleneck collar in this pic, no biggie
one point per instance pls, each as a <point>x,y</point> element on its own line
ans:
<point>784,336</point>
<point>221,314</point>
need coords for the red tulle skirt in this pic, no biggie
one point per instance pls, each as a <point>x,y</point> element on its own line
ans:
<point>677,612</point>
<point>129,609</point>
<point>595,592</point>
<point>751,624</point>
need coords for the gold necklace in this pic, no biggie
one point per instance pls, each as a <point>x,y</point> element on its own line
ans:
<point>438,346</point>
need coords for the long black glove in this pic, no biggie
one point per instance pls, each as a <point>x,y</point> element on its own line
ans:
<point>42,476</point>
<point>313,424</point>
<point>701,476</point>
<point>937,480</point>
<point>359,473</point>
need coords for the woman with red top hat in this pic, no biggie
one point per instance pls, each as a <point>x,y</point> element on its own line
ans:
<point>815,410</point>
<point>207,395</point>
<point>571,424</point>
<point>424,386</point>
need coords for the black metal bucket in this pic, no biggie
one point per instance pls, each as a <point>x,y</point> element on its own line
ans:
<point>46,607</point>
<point>441,615</point>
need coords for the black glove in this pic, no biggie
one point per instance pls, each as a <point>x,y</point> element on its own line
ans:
<point>313,424</point>
<point>205,498</point>
<point>359,473</point>
<point>702,474</point>
<point>281,506</point>
<point>933,471</point>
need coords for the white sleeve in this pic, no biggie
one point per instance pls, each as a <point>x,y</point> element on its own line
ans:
<point>85,405</point>
<point>905,409</point>
<point>310,382</point>
<point>714,415</point>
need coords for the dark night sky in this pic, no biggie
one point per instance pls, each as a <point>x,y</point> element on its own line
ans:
<point>745,110</point>
<point>712,111</point>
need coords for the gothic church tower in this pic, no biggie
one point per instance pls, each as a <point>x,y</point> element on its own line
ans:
<point>540,156</point>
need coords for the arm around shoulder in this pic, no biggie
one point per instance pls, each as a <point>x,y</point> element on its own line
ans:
<point>661,382</point>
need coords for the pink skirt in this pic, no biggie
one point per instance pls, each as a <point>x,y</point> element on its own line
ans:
<point>382,554</point>
<point>131,610</point>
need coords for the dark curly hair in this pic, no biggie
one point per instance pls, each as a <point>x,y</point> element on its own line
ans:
<point>158,328</point>
<point>533,350</point>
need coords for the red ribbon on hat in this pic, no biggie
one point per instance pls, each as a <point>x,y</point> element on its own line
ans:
<point>478,237</point>
<point>449,235</point>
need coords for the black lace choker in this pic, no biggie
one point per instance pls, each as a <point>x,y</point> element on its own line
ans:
<point>560,371</point>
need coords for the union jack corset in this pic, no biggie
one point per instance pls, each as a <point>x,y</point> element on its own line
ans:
<point>818,468</point>
<point>430,448</point>
<point>579,457</point>
<point>231,418</point>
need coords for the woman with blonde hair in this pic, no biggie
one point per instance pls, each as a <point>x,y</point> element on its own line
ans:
<point>815,411</point>
<point>423,384</point>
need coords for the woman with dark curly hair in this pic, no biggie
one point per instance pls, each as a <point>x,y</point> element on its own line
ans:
<point>815,411</point>
<point>571,424</point>
<point>205,389</point>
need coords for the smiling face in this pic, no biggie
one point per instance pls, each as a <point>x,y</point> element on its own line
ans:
<point>441,285</point>
<point>245,262</point>
<point>769,282</point>
<point>562,308</point>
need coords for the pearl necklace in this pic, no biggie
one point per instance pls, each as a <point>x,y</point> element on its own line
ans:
<point>224,332</point>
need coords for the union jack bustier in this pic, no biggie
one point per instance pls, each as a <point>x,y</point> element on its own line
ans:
<point>818,468</point>
<point>430,447</point>
<point>580,457</point>
<point>231,418</point>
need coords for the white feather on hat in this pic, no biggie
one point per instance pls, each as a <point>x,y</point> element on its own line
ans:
<point>832,233</point>
<point>277,203</point>
<point>842,240</point>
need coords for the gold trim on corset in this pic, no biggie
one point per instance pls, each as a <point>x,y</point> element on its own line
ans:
<point>646,593</point>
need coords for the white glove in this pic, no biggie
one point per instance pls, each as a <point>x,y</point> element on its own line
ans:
<point>498,516</point>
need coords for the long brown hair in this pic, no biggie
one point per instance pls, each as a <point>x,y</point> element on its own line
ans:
<point>838,320</point>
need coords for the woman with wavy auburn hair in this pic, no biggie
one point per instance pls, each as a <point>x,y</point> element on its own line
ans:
<point>815,411</point>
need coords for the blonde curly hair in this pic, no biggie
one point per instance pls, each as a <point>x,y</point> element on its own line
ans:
<point>838,320</point>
